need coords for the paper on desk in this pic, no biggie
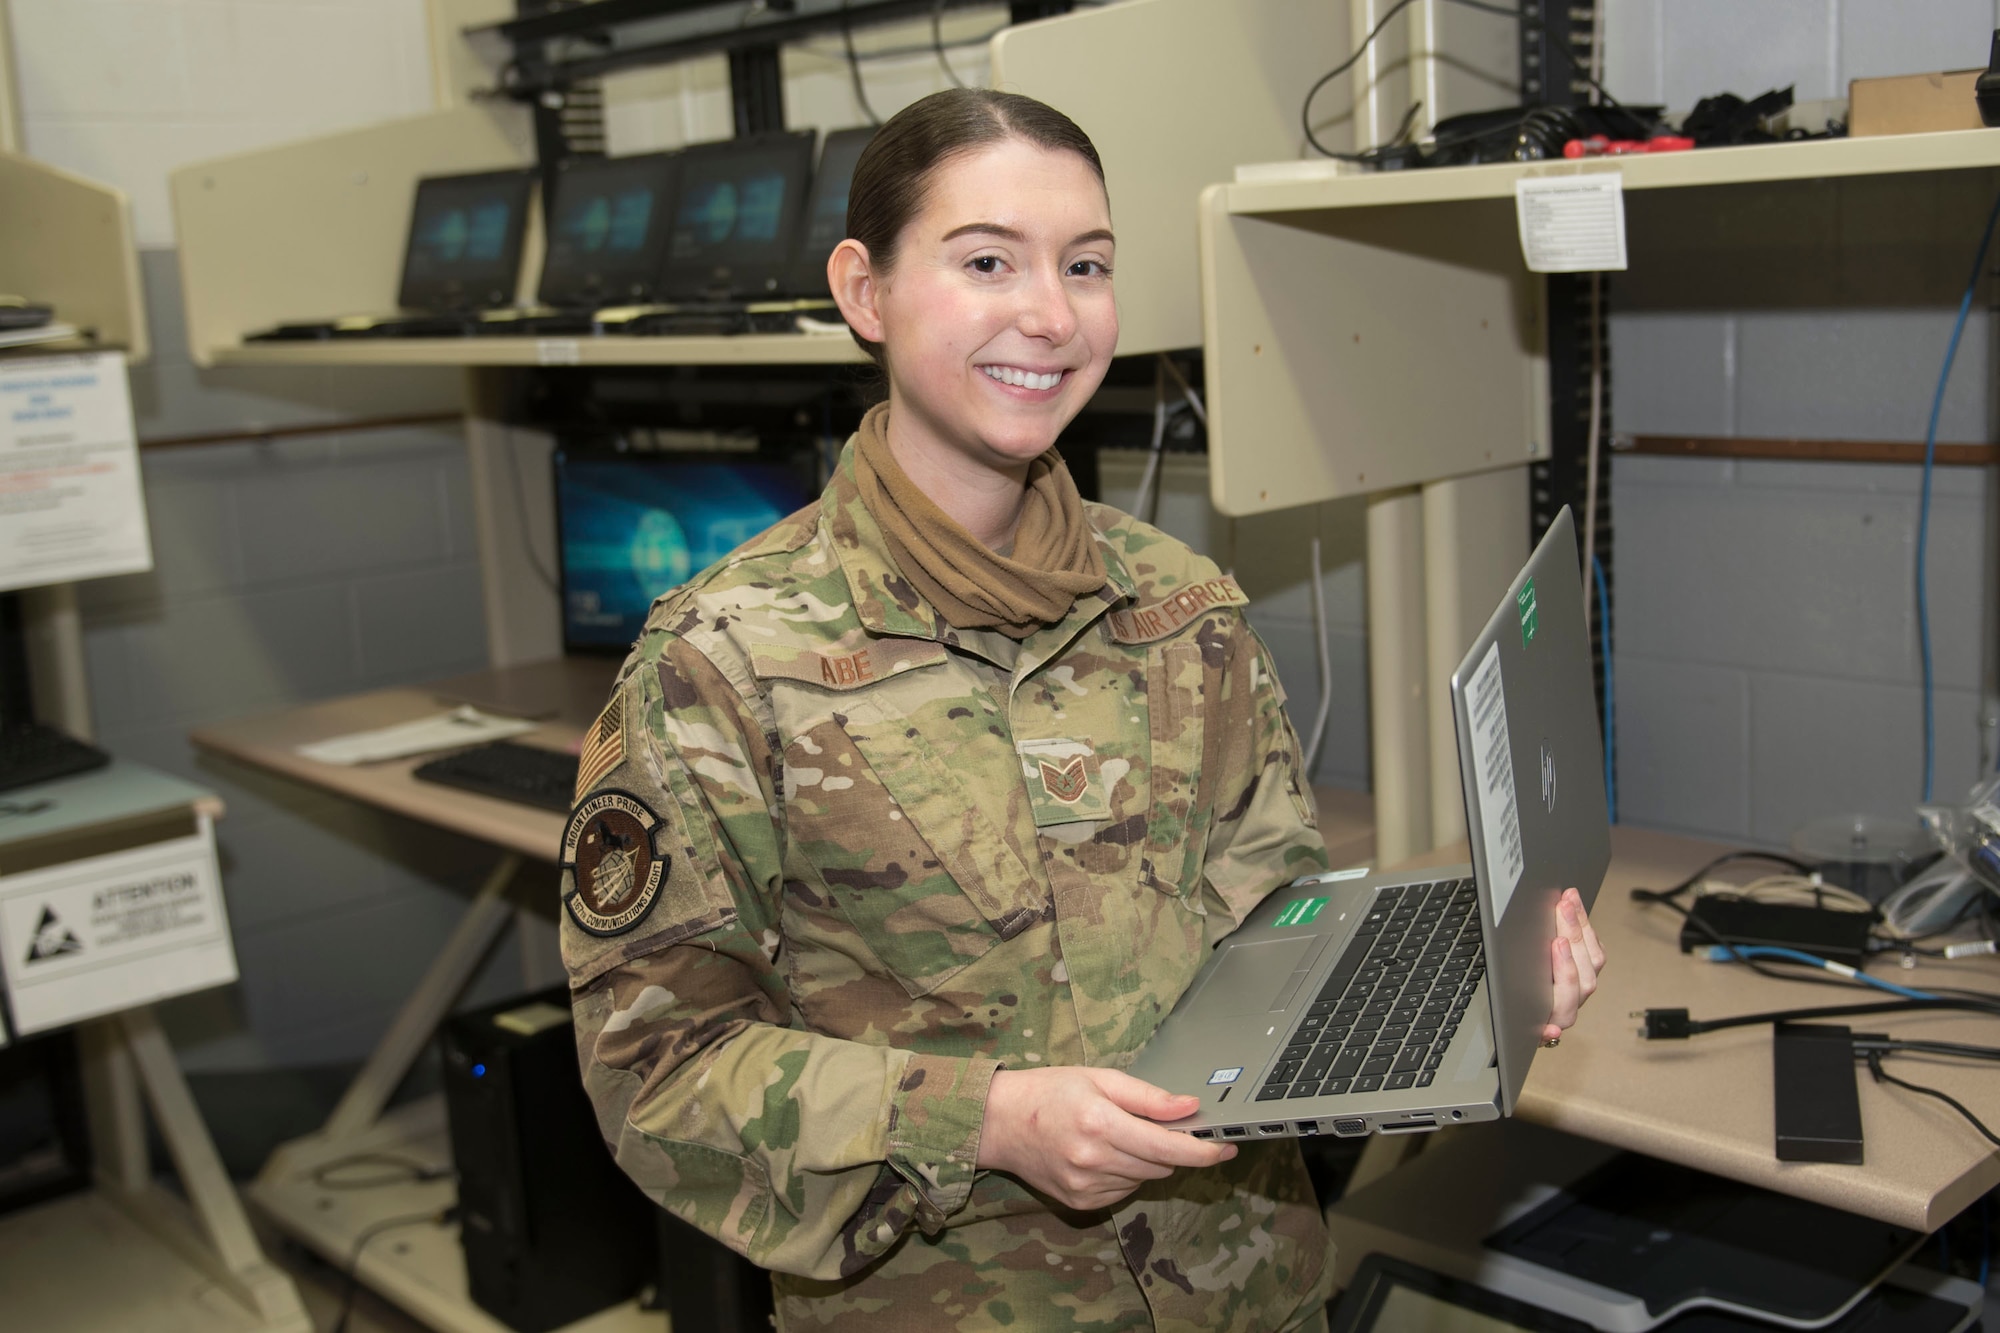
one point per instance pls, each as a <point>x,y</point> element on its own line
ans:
<point>464,725</point>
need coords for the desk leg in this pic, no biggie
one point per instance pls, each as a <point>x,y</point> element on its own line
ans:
<point>232,1256</point>
<point>427,1006</point>
<point>117,1120</point>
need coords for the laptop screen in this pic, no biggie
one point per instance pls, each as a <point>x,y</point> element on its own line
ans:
<point>464,249</point>
<point>608,228</point>
<point>738,210</point>
<point>825,224</point>
<point>632,526</point>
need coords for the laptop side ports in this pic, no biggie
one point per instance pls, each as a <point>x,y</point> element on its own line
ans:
<point>1305,1129</point>
<point>1271,1131</point>
<point>1204,1133</point>
<point>1350,1127</point>
<point>1415,1124</point>
<point>1236,1132</point>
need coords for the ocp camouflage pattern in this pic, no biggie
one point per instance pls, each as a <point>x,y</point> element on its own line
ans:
<point>903,856</point>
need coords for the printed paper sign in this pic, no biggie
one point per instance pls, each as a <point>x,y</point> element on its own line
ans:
<point>1572,224</point>
<point>87,938</point>
<point>1493,765</point>
<point>71,506</point>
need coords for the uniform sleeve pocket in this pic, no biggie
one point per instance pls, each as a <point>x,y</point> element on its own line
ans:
<point>1176,824</point>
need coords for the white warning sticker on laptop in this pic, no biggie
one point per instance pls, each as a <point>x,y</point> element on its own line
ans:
<point>1493,764</point>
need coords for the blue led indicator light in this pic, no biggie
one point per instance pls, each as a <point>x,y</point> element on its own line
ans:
<point>479,1071</point>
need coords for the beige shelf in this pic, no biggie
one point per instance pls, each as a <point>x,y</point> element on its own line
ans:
<point>1754,164</point>
<point>757,349</point>
<point>1366,332</point>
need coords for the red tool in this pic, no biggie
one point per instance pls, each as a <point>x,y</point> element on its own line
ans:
<point>1599,146</point>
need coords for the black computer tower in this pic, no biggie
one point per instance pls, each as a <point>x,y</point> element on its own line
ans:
<point>552,1229</point>
<point>706,1287</point>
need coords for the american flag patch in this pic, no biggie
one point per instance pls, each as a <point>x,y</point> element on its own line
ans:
<point>603,745</point>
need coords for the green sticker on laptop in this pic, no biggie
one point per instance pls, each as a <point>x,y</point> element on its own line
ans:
<point>1524,601</point>
<point>1301,911</point>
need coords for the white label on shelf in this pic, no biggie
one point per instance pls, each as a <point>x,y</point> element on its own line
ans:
<point>1572,224</point>
<point>1493,766</point>
<point>82,939</point>
<point>70,502</point>
<point>558,352</point>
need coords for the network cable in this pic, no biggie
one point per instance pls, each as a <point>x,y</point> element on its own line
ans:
<point>1503,11</point>
<point>1924,505</point>
<point>1723,953</point>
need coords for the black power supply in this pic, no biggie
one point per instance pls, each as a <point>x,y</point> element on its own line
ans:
<point>1840,937</point>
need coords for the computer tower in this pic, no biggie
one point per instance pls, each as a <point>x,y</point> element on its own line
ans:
<point>552,1229</point>
<point>706,1286</point>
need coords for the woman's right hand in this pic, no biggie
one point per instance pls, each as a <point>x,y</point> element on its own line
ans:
<point>1086,1137</point>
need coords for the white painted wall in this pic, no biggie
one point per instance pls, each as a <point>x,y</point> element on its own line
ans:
<point>125,91</point>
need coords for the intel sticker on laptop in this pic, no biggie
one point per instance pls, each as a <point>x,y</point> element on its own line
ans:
<point>1301,911</point>
<point>1226,1075</point>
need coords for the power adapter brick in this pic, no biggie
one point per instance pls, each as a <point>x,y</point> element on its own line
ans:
<point>1840,937</point>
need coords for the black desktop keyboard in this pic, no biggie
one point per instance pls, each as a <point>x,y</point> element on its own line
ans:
<point>1394,1001</point>
<point>520,773</point>
<point>31,753</point>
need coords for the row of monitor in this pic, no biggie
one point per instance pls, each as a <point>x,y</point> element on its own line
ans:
<point>743,221</point>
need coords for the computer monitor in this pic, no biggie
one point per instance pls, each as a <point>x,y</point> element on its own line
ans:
<point>738,211</point>
<point>631,526</point>
<point>609,222</point>
<point>825,224</point>
<point>465,241</point>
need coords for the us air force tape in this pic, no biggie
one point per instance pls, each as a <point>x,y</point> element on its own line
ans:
<point>615,866</point>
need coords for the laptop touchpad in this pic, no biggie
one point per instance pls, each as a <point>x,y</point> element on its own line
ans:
<point>1252,976</point>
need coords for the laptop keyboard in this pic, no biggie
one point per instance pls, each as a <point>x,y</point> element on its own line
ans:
<point>1394,1001</point>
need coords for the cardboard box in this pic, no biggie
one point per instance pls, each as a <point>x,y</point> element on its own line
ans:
<point>1913,104</point>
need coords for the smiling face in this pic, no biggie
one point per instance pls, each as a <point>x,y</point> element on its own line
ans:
<point>997,314</point>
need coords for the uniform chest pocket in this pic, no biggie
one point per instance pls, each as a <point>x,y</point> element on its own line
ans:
<point>901,845</point>
<point>1177,820</point>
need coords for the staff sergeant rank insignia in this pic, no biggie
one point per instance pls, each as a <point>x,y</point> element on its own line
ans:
<point>1066,784</point>
<point>615,871</point>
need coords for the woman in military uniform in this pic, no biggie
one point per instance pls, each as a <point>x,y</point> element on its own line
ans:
<point>908,822</point>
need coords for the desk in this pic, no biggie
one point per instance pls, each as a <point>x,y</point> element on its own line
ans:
<point>192,1265</point>
<point>423,1271</point>
<point>1706,1102</point>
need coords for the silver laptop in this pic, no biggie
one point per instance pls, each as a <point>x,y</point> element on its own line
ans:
<point>1352,1002</point>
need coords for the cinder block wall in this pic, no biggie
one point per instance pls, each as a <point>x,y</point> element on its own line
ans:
<point>1766,647</point>
<point>287,570</point>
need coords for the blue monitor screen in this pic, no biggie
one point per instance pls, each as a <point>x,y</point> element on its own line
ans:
<point>474,235</point>
<point>611,222</point>
<point>746,210</point>
<point>636,526</point>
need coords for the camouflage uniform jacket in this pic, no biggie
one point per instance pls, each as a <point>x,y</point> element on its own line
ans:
<point>834,863</point>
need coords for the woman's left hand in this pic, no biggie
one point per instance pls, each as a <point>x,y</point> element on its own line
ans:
<point>1577,957</point>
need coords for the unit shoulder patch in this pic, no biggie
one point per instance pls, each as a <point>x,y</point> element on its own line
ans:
<point>1158,618</point>
<point>616,867</point>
